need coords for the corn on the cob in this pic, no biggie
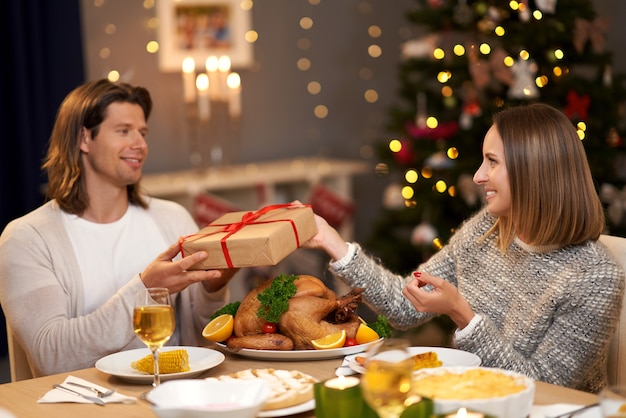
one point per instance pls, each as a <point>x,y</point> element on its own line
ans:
<point>174,361</point>
<point>426,360</point>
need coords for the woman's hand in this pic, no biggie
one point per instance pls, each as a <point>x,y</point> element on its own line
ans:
<point>327,239</point>
<point>443,298</point>
<point>163,272</point>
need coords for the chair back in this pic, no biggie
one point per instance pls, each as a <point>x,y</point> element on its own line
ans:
<point>18,360</point>
<point>617,349</point>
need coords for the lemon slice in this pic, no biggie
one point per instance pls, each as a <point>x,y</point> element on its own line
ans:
<point>366,335</point>
<point>335,340</point>
<point>219,329</point>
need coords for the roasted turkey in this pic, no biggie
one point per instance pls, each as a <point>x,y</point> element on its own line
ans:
<point>314,312</point>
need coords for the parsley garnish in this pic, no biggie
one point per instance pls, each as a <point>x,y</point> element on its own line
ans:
<point>381,326</point>
<point>230,309</point>
<point>275,299</point>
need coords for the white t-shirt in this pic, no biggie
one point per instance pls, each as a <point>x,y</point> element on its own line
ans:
<point>109,255</point>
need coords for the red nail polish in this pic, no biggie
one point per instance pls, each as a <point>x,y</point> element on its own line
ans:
<point>417,274</point>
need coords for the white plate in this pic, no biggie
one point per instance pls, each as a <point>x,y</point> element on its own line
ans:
<point>298,354</point>
<point>118,364</point>
<point>448,356</point>
<point>292,410</point>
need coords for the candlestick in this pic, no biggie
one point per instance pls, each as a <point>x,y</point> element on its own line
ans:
<point>223,67</point>
<point>189,79</point>
<point>234,100</point>
<point>340,397</point>
<point>204,103</point>
<point>464,413</point>
<point>211,69</point>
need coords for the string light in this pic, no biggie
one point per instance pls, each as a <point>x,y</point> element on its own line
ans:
<point>395,145</point>
<point>408,192</point>
<point>411,176</point>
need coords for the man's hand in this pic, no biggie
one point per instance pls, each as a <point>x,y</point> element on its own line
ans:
<point>163,272</point>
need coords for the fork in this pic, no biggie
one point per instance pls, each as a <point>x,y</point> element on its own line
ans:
<point>98,392</point>
<point>576,411</point>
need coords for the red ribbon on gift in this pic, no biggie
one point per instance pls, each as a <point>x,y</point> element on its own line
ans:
<point>249,218</point>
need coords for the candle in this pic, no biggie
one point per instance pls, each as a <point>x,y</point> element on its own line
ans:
<point>234,100</point>
<point>211,69</point>
<point>340,397</point>
<point>223,67</point>
<point>189,79</point>
<point>204,102</point>
<point>342,382</point>
<point>464,413</point>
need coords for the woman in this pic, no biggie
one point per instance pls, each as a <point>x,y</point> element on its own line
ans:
<point>525,280</point>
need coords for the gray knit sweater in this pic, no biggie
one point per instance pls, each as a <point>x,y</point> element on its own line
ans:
<point>546,313</point>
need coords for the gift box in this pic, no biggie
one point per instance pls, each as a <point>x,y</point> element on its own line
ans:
<point>247,239</point>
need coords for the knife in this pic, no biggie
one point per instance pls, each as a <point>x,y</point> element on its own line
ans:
<point>93,399</point>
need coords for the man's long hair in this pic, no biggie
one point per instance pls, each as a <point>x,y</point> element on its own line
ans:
<point>85,108</point>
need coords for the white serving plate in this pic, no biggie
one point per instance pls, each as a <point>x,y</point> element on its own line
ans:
<point>294,355</point>
<point>118,364</point>
<point>449,357</point>
<point>292,410</point>
<point>517,405</point>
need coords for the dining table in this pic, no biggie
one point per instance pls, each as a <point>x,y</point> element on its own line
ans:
<point>20,398</point>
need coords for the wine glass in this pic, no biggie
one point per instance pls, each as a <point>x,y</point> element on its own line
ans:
<point>153,322</point>
<point>386,382</point>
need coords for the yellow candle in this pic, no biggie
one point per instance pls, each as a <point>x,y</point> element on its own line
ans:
<point>204,103</point>
<point>339,397</point>
<point>189,79</point>
<point>464,413</point>
<point>342,382</point>
<point>211,69</point>
<point>234,98</point>
<point>223,68</point>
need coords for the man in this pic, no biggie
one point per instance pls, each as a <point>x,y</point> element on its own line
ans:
<point>70,270</point>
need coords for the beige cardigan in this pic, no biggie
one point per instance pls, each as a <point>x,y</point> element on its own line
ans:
<point>41,293</point>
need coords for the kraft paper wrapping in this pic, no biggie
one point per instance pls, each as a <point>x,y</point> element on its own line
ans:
<point>248,239</point>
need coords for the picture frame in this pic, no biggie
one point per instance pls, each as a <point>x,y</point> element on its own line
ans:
<point>201,28</point>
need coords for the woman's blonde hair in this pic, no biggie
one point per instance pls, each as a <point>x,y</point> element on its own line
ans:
<point>85,108</point>
<point>553,198</point>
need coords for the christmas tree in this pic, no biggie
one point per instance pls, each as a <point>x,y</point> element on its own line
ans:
<point>469,60</point>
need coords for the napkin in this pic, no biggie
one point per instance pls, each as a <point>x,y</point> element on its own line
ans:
<point>59,395</point>
<point>345,369</point>
<point>543,411</point>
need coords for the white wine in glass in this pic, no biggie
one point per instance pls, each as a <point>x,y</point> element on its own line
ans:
<point>386,383</point>
<point>153,322</point>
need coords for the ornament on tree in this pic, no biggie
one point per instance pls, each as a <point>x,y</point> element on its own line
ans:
<point>481,71</point>
<point>592,31</point>
<point>613,138</point>
<point>420,48</point>
<point>439,161</point>
<point>491,18</point>
<point>546,6</point>
<point>471,106</point>
<point>524,11</point>
<point>420,114</point>
<point>577,106</point>
<point>524,86</point>
<point>615,199</point>
<point>392,197</point>
<point>463,14</point>
<point>442,131</point>
<point>405,155</point>
<point>435,4</point>
<point>423,234</point>
<point>470,192</point>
